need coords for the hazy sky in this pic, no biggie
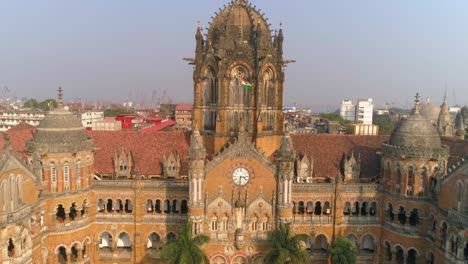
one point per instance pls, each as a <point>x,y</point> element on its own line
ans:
<point>112,49</point>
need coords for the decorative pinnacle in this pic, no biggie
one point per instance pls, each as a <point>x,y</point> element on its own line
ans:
<point>417,106</point>
<point>198,24</point>
<point>60,93</point>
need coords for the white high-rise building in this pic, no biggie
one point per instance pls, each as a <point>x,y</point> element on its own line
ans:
<point>364,111</point>
<point>348,110</point>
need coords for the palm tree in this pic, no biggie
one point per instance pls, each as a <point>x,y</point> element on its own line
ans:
<point>286,248</point>
<point>186,249</point>
<point>343,251</point>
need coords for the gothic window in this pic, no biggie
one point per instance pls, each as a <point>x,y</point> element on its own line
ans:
<point>402,215</point>
<point>414,217</point>
<point>42,171</point>
<point>364,209</point>
<point>60,214</point>
<point>423,181</point>
<point>237,94</point>
<point>157,206</point>
<point>254,223</point>
<point>66,173</point>
<point>109,206</point>
<point>11,248</point>
<point>400,255</point>
<point>225,223</point>
<point>326,208</point>
<point>167,206</point>
<point>84,207</point>
<point>373,209</point>
<point>352,238</point>
<point>443,234</point>
<point>149,206</point>
<point>265,223</point>
<point>268,92</point>
<point>409,188</point>
<point>123,165</point>
<point>356,208</point>
<point>210,88</point>
<point>347,208</point>
<point>170,237</point>
<point>318,208</point>
<point>128,206</point>
<point>106,240</point>
<point>118,206</point>
<point>459,195</point>
<point>53,173</point>
<point>320,244</point>
<point>77,171</point>
<point>388,251</point>
<point>301,208</point>
<point>174,207</point>
<point>72,214</point>
<point>398,179</point>
<point>123,240</point>
<point>391,214</point>
<point>368,244</point>
<point>183,207</point>
<point>100,205</point>
<point>62,255</point>
<point>154,241</point>
<point>412,256</point>
<point>310,208</point>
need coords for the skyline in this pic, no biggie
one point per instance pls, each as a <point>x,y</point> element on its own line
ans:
<point>111,49</point>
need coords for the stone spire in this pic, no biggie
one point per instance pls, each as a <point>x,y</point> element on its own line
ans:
<point>286,150</point>
<point>196,150</point>
<point>444,122</point>
<point>60,104</point>
<point>460,126</point>
<point>417,106</point>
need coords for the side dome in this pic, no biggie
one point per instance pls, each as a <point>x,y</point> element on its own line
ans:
<point>60,132</point>
<point>237,24</point>
<point>415,137</point>
<point>416,132</point>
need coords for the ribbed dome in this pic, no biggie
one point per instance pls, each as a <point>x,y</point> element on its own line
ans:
<point>60,131</point>
<point>60,126</point>
<point>415,132</point>
<point>241,20</point>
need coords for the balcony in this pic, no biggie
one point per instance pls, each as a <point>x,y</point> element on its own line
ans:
<point>115,217</point>
<point>457,218</point>
<point>115,254</point>
<point>166,218</point>
<point>72,225</point>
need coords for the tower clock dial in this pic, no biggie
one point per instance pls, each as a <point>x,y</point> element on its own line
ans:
<point>240,176</point>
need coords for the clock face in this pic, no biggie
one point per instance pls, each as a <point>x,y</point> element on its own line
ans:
<point>240,176</point>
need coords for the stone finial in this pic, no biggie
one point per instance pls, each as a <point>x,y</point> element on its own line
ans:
<point>60,97</point>
<point>417,106</point>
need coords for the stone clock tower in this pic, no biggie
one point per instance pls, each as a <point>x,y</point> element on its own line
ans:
<point>237,46</point>
<point>234,191</point>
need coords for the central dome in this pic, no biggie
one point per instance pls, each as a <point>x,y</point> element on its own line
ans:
<point>237,24</point>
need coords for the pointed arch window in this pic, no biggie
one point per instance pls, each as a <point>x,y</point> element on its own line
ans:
<point>409,188</point>
<point>53,173</point>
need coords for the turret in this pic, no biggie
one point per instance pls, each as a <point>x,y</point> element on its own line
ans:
<point>460,126</point>
<point>444,122</point>
<point>285,162</point>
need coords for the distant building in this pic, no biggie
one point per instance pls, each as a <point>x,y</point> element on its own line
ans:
<point>360,113</point>
<point>183,117</point>
<point>364,111</point>
<point>348,110</point>
<point>364,129</point>
<point>90,117</point>
<point>10,119</point>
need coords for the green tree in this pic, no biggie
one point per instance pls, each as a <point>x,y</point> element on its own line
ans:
<point>31,103</point>
<point>286,247</point>
<point>186,249</point>
<point>334,117</point>
<point>47,104</point>
<point>343,251</point>
<point>115,112</point>
<point>386,125</point>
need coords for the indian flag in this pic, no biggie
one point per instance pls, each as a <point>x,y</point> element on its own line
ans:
<point>245,84</point>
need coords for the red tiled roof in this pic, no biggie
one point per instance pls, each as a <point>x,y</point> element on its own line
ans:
<point>18,136</point>
<point>458,149</point>
<point>158,126</point>
<point>184,107</point>
<point>147,149</point>
<point>327,151</point>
